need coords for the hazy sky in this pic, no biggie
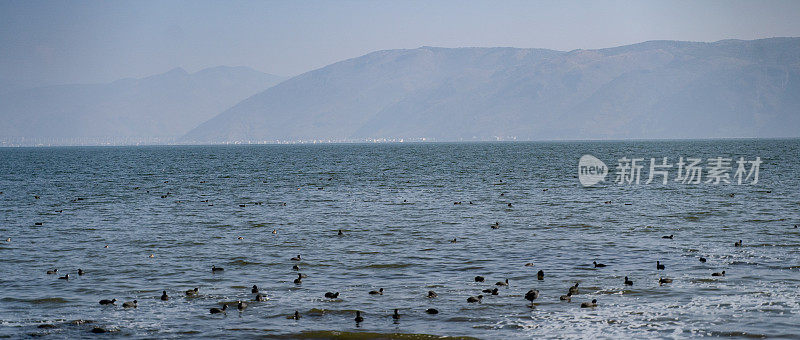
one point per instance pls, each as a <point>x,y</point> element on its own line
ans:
<point>92,41</point>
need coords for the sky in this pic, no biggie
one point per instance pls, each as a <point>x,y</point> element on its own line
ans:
<point>58,42</point>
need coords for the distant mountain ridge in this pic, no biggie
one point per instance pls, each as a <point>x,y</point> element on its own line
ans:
<point>654,89</point>
<point>163,106</point>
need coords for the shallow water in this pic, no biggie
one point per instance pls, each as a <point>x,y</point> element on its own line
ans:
<point>395,204</point>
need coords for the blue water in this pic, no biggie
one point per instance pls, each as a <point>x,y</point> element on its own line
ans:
<point>395,206</point>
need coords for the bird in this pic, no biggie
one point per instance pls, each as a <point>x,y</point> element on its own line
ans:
<point>479,279</point>
<point>668,237</point>
<point>359,318</point>
<point>216,310</point>
<point>432,294</point>
<point>531,295</point>
<point>454,240</point>
<point>107,302</point>
<point>296,315</point>
<point>432,311</point>
<point>491,291</point>
<point>703,259</point>
<point>501,283</point>
<point>241,305</point>
<point>81,272</point>
<point>509,205</point>
<point>598,265</point>
<point>65,277</point>
<point>296,267</point>
<point>540,275</point>
<point>664,280</point>
<point>738,244</point>
<point>299,279</point>
<point>130,304</point>
<point>254,290</point>
<point>589,304</point>
<point>275,231</point>
<point>496,225</point>
<point>574,289</point>
<point>529,264</point>
<point>567,297</point>
<point>240,238</point>
<point>192,292</point>
<point>50,272</point>
<point>473,299</point>
<point>340,232</point>
<point>164,296</point>
<point>718,274</point>
<point>260,297</point>
<point>332,295</point>
<point>216,269</point>
<point>396,315</point>
<point>376,292</point>
<point>628,282</point>
<point>296,258</point>
<point>9,239</point>
<point>659,266</point>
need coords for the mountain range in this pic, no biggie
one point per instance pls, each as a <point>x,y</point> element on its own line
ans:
<point>655,89</point>
<point>650,90</point>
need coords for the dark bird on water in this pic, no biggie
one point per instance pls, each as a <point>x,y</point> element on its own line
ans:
<point>432,311</point>
<point>299,279</point>
<point>574,289</point>
<point>192,292</point>
<point>567,297</point>
<point>50,272</point>
<point>479,279</point>
<point>164,296</point>
<point>108,302</point>
<point>254,290</point>
<point>130,304</point>
<point>491,291</point>
<point>502,283</point>
<point>540,275</point>
<point>531,295</point>
<point>331,295</point>
<point>396,315</point>
<point>216,310</point>
<point>628,282</point>
<point>589,304</point>
<point>664,280</point>
<point>718,274</point>
<point>598,265</point>
<point>659,266</point>
<point>81,272</point>
<point>432,294</point>
<point>260,298</point>
<point>376,292</point>
<point>65,277</point>
<point>216,269</point>
<point>296,315</point>
<point>359,318</point>
<point>703,259</point>
<point>668,237</point>
<point>340,232</point>
<point>296,267</point>
<point>738,244</point>
<point>296,258</point>
<point>473,299</point>
<point>241,305</point>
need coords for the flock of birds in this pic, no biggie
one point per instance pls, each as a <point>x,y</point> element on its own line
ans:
<point>531,296</point>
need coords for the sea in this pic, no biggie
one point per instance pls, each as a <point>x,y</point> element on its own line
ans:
<point>414,218</point>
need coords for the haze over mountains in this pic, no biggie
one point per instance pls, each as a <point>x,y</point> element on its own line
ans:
<point>656,89</point>
<point>155,109</point>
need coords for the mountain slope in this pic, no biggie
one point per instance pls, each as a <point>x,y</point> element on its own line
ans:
<point>165,105</point>
<point>657,89</point>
